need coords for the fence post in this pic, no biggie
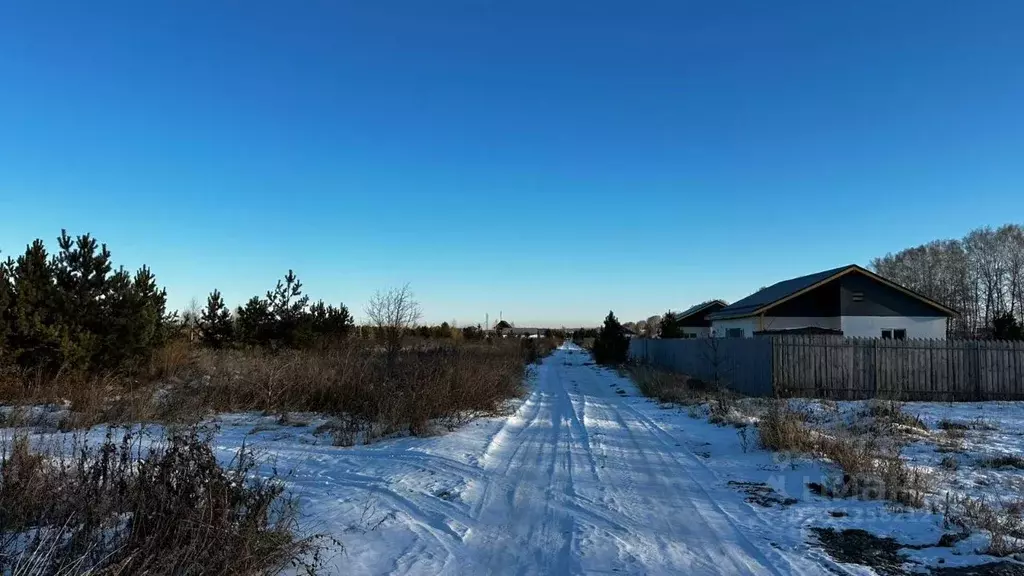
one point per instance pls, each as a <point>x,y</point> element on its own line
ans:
<point>976,370</point>
<point>874,368</point>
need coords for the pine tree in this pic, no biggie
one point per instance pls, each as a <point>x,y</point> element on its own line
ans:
<point>68,312</point>
<point>151,323</point>
<point>254,322</point>
<point>80,270</point>
<point>1006,327</point>
<point>611,345</point>
<point>135,322</point>
<point>215,325</point>
<point>287,307</point>
<point>117,307</point>
<point>35,335</point>
<point>329,324</point>
<point>670,326</point>
<point>6,300</point>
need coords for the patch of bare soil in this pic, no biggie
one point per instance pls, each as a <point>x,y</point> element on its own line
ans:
<point>854,546</point>
<point>762,494</point>
<point>1004,568</point>
<point>883,555</point>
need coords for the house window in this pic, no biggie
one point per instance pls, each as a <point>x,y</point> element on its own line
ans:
<point>894,334</point>
<point>734,333</point>
<point>858,296</point>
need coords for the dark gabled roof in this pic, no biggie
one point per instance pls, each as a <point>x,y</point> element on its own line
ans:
<point>699,308</point>
<point>761,300</point>
<point>771,294</point>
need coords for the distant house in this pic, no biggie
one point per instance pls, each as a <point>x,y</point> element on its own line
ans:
<point>694,320</point>
<point>849,301</point>
<point>524,332</point>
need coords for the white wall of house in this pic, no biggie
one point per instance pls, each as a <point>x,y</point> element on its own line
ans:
<point>720,328</point>
<point>852,326</point>
<point>916,326</point>
<point>790,322</point>
<point>754,324</point>
<point>697,332</point>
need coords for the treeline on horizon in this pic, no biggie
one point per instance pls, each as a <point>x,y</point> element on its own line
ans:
<point>72,312</point>
<point>981,276</point>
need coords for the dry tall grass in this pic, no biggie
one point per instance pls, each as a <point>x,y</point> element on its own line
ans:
<point>871,464</point>
<point>171,509</point>
<point>120,508</point>
<point>669,387</point>
<point>446,383</point>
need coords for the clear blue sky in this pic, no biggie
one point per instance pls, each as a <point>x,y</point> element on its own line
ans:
<point>548,160</point>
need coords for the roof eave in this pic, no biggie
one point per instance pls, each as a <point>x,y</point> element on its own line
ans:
<point>735,316</point>
<point>701,309</point>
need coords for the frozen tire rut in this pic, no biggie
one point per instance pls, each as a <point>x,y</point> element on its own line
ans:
<point>580,479</point>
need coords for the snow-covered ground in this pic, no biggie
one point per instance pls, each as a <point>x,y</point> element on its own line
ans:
<point>585,476</point>
<point>970,449</point>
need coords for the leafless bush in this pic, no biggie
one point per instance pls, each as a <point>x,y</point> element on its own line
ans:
<point>871,468</point>
<point>448,384</point>
<point>669,387</point>
<point>1004,524</point>
<point>392,314</point>
<point>535,349</point>
<point>1004,461</point>
<point>783,429</point>
<point>946,424</point>
<point>442,383</point>
<point>950,463</point>
<point>892,412</point>
<point>120,508</point>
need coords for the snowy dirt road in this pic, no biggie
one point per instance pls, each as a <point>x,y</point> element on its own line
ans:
<point>580,479</point>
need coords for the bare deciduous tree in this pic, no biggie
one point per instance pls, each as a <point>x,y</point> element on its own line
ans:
<point>981,276</point>
<point>392,313</point>
<point>190,319</point>
<point>653,325</point>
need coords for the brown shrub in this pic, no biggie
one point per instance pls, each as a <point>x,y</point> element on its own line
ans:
<point>870,468</point>
<point>448,383</point>
<point>1004,524</point>
<point>669,387</point>
<point>783,429</point>
<point>1004,461</point>
<point>119,508</point>
<point>893,412</point>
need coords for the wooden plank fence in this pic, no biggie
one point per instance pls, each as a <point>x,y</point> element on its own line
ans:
<point>848,368</point>
<point>857,368</point>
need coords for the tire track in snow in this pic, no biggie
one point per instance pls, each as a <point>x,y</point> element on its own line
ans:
<point>673,447</point>
<point>576,480</point>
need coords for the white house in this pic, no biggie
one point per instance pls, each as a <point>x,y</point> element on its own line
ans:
<point>848,301</point>
<point>694,321</point>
